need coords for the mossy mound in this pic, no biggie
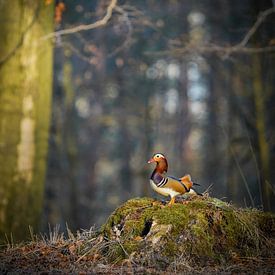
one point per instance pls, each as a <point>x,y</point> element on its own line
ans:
<point>203,230</point>
<point>200,235</point>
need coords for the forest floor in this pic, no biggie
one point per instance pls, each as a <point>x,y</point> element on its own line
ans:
<point>143,236</point>
<point>46,258</point>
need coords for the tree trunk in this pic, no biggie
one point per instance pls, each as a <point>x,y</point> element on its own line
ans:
<point>259,101</point>
<point>25,100</point>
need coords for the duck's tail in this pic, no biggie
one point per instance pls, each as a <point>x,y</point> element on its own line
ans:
<point>186,180</point>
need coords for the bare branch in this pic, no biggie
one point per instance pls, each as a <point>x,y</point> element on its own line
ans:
<point>75,51</point>
<point>225,51</point>
<point>83,27</point>
<point>256,25</point>
<point>125,13</point>
<point>128,39</point>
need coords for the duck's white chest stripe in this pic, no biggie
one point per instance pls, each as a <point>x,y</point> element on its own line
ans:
<point>162,182</point>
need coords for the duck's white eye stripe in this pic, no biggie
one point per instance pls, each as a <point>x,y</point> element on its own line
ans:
<point>160,156</point>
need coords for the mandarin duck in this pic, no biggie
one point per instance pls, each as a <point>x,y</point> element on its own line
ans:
<point>168,185</point>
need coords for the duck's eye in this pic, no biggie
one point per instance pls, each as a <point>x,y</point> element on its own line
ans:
<point>158,156</point>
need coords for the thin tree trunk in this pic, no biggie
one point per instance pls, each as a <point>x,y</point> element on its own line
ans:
<point>183,125</point>
<point>259,101</point>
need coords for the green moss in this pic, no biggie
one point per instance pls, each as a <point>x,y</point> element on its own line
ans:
<point>203,228</point>
<point>136,218</point>
<point>241,231</point>
<point>175,215</point>
<point>131,246</point>
<point>171,248</point>
<point>203,239</point>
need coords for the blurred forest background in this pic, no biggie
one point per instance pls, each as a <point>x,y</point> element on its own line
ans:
<point>83,108</point>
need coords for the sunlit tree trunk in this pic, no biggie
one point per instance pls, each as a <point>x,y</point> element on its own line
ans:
<point>260,112</point>
<point>147,144</point>
<point>25,100</point>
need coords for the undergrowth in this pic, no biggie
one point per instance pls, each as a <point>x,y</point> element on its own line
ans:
<point>198,234</point>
